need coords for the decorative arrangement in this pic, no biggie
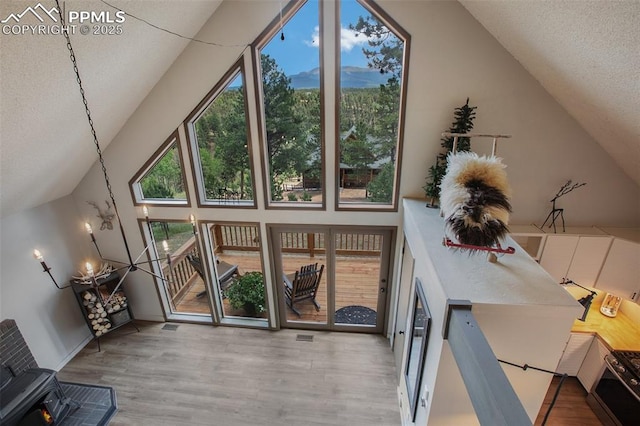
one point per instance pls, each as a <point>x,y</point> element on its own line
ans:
<point>555,212</point>
<point>105,270</point>
<point>474,200</point>
<point>463,124</point>
<point>107,216</point>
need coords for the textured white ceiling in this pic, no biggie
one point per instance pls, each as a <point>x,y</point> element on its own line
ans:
<point>45,141</point>
<point>585,53</point>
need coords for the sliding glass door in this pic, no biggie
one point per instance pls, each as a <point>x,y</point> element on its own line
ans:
<point>331,277</point>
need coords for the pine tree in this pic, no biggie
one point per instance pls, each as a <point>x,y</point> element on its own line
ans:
<point>463,123</point>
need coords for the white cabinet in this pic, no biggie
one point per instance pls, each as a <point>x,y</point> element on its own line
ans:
<point>593,364</point>
<point>578,257</point>
<point>621,272</point>
<point>574,353</point>
<point>588,259</point>
<point>557,254</point>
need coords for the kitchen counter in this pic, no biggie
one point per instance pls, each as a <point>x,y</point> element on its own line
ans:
<point>619,333</point>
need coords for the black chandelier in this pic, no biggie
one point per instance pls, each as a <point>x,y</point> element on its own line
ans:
<point>130,265</point>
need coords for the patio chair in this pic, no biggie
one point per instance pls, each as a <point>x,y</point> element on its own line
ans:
<point>226,271</point>
<point>303,285</point>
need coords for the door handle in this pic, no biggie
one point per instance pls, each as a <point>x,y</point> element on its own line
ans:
<point>400,332</point>
<point>382,289</point>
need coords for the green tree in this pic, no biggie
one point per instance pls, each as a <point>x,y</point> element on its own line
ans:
<point>384,53</point>
<point>286,140</point>
<point>164,180</point>
<point>380,189</point>
<point>222,140</point>
<point>463,123</point>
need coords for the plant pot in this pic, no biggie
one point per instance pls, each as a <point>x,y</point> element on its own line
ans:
<point>250,309</point>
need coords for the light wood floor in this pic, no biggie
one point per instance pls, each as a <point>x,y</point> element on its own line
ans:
<point>571,408</point>
<point>204,375</point>
<point>357,283</point>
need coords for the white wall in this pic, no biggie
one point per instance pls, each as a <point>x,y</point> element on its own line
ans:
<point>452,58</point>
<point>49,319</point>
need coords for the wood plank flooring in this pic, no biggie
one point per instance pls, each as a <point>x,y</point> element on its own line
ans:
<point>204,375</point>
<point>357,279</point>
<point>571,408</point>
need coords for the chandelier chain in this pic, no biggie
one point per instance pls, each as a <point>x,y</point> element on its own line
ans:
<point>72,56</point>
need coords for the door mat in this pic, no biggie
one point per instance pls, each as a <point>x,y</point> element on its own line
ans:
<point>355,314</point>
<point>98,404</point>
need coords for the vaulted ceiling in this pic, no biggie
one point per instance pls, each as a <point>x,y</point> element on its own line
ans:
<point>586,54</point>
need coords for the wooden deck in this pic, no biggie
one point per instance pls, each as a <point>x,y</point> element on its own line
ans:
<point>357,283</point>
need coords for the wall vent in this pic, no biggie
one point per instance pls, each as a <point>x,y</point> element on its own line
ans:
<point>304,338</point>
<point>170,327</point>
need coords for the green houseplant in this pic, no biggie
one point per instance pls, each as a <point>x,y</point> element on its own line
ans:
<point>248,293</point>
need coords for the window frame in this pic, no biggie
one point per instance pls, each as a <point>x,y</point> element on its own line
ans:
<point>135,185</point>
<point>236,69</point>
<point>259,43</point>
<point>401,33</point>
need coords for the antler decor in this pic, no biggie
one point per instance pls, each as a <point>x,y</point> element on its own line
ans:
<point>106,215</point>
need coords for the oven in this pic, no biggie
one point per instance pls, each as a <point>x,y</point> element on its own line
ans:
<point>615,397</point>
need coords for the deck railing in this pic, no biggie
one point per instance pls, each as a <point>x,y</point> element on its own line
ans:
<point>245,238</point>
<point>181,274</point>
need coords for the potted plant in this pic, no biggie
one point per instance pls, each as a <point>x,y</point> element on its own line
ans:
<point>247,292</point>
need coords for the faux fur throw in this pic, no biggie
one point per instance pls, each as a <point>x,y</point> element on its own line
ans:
<point>474,198</point>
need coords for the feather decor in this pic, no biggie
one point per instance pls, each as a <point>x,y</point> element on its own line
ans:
<point>474,199</point>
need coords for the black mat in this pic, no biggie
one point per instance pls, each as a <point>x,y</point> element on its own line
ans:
<point>97,404</point>
<point>356,314</point>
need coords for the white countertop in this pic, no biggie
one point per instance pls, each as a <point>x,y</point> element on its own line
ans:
<point>515,279</point>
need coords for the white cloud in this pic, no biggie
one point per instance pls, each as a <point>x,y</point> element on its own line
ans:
<point>348,39</point>
<point>315,38</point>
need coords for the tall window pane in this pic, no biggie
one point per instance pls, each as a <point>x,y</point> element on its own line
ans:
<point>371,57</point>
<point>219,141</point>
<point>291,91</point>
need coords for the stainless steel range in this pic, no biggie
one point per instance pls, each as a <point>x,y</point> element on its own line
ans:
<point>615,397</point>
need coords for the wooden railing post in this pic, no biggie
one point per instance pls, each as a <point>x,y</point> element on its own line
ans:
<point>311,244</point>
<point>217,235</point>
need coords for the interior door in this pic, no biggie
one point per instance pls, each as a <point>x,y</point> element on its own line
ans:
<point>353,285</point>
<point>406,278</point>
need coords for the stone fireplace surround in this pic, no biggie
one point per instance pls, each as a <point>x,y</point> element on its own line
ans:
<point>23,384</point>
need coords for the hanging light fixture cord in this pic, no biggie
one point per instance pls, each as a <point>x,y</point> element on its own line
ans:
<point>93,132</point>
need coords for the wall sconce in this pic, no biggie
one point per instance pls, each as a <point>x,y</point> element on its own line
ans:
<point>45,268</point>
<point>585,300</point>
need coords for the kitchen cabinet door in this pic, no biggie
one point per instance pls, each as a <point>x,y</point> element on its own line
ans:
<point>575,353</point>
<point>588,259</point>
<point>593,364</point>
<point>620,273</point>
<point>557,254</point>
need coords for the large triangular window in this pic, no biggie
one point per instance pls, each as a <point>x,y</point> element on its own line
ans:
<point>220,146</point>
<point>161,180</point>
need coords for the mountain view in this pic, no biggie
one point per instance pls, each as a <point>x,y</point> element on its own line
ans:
<point>355,77</point>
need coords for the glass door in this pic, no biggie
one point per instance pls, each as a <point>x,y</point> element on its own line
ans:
<point>332,277</point>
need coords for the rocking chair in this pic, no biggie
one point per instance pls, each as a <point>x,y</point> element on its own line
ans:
<point>302,285</point>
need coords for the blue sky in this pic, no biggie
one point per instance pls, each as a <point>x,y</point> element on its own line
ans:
<point>299,50</point>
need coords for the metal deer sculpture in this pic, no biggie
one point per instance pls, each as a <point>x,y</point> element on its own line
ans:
<point>106,215</point>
